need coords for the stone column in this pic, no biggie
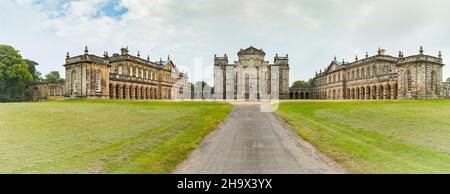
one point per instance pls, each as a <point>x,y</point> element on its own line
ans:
<point>127,92</point>
<point>133,93</point>
<point>120,94</point>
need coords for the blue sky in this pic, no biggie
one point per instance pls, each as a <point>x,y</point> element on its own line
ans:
<point>311,32</point>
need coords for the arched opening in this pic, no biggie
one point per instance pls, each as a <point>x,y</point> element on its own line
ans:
<point>388,91</point>
<point>374,92</point>
<point>306,95</point>
<point>296,95</point>
<point>433,82</point>
<point>111,91</point>
<point>395,91</point>
<point>291,95</point>
<point>302,95</point>
<point>381,92</point>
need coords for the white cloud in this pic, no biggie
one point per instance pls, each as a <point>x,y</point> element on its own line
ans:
<point>311,32</point>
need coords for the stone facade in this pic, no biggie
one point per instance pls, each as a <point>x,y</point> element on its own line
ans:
<point>45,91</point>
<point>251,77</point>
<point>382,77</point>
<point>123,76</point>
<point>446,90</point>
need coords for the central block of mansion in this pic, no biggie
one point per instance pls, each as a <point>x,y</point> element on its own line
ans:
<point>251,77</point>
<point>123,76</point>
<point>381,77</point>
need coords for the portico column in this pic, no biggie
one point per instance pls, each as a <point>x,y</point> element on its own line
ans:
<point>127,92</point>
<point>132,92</point>
<point>120,97</point>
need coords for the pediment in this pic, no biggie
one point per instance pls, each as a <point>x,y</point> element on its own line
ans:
<point>333,67</point>
<point>169,66</point>
<point>251,51</point>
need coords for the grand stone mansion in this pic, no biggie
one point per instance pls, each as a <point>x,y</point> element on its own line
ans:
<point>381,77</point>
<point>251,77</point>
<point>123,76</point>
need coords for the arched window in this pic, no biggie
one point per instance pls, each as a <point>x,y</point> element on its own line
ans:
<point>408,81</point>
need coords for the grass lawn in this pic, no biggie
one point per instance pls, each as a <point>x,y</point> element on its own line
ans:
<point>376,136</point>
<point>103,136</point>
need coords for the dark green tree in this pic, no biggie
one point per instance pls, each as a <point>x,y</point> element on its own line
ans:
<point>300,84</point>
<point>448,80</point>
<point>14,74</point>
<point>32,69</point>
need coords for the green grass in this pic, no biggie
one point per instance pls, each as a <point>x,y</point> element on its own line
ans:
<point>103,136</point>
<point>376,136</point>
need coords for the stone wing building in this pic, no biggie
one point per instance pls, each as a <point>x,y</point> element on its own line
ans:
<point>251,77</point>
<point>123,76</point>
<point>382,77</point>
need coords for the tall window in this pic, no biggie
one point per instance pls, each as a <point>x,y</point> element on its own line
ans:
<point>433,82</point>
<point>120,69</point>
<point>131,71</point>
<point>99,81</point>
<point>363,73</point>
<point>408,81</point>
<point>73,78</point>
<point>96,80</point>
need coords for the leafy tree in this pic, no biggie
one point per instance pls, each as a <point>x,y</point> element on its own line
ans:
<point>32,69</point>
<point>300,84</point>
<point>53,77</point>
<point>14,74</point>
<point>448,80</point>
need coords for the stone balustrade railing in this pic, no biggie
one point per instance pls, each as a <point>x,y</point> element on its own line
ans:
<point>86,58</point>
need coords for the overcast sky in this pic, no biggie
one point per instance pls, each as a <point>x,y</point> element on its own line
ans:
<point>192,31</point>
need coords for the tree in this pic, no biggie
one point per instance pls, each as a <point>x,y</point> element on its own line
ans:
<point>53,78</point>
<point>14,74</point>
<point>300,84</point>
<point>32,69</point>
<point>448,80</point>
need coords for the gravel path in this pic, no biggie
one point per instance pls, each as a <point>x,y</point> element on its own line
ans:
<point>252,142</point>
